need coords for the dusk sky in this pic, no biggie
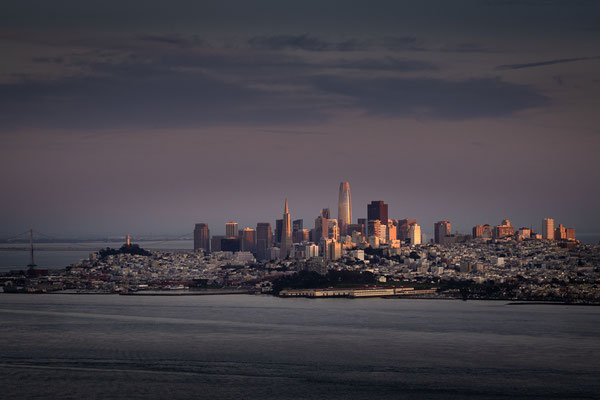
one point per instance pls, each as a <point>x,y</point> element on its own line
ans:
<point>128,117</point>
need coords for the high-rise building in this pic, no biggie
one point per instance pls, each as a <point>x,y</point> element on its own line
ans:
<point>311,250</point>
<point>231,229</point>
<point>278,227</point>
<point>344,208</point>
<point>414,234</point>
<point>374,228</point>
<point>548,229</point>
<point>286,233</point>
<point>441,230</point>
<point>202,238</point>
<point>334,250</point>
<point>300,236</point>
<point>249,240</point>
<point>403,228</point>
<point>230,244</point>
<point>504,230</point>
<point>392,230</point>
<point>264,239</point>
<point>297,225</point>
<point>351,228</point>
<point>560,233</point>
<point>378,210</point>
<point>523,233</point>
<point>570,232</point>
<point>321,228</point>
<point>325,213</point>
<point>482,232</point>
<point>215,243</point>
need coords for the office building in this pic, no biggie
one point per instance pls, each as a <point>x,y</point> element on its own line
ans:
<point>248,240</point>
<point>548,229</point>
<point>264,240</point>
<point>482,232</point>
<point>230,244</point>
<point>297,225</point>
<point>202,238</point>
<point>504,230</point>
<point>344,208</point>
<point>231,229</point>
<point>351,228</point>
<point>278,227</point>
<point>215,243</point>
<point>321,228</point>
<point>377,210</point>
<point>414,234</point>
<point>403,228</point>
<point>441,229</point>
<point>560,233</point>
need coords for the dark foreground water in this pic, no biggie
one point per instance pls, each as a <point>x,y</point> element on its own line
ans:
<point>246,347</point>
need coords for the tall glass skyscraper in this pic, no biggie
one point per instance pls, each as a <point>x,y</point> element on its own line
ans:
<point>344,208</point>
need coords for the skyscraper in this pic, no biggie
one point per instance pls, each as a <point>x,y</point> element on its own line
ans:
<point>377,210</point>
<point>321,228</point>
<point>278,227</point>
<point>344,208</point>
<point>403,228</point>
<point>441,230</point>
<point>249,240</point>
<point>286,233</point>
<point>231,229</point>
<point>202,237</point>
<point>505,229</point>
<point>548,229</point>
<point>482,232</point>
<point>264,239</point>
<point>414,233</point>
<point>298,225</point>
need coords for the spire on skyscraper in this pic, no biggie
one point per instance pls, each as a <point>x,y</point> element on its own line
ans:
<point>286,233</point>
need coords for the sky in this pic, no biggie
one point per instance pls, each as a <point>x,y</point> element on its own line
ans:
<point>130,117</point>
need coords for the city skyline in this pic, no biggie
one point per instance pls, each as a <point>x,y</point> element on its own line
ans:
<point>232,228</point>
<point>378,213</point>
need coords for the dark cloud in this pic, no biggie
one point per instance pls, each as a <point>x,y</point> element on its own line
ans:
<point>175,40</point>
<point>543,63</point>
<point>134,95</point>
<point>50,60</point>
<point>293,42</point>
<point>386,64</point>
<point>306,42</point>
<point>433,98</point>
<point>396,43</point>
<point>351,45</point>
<point>542,3</point>
<point>470,47</point>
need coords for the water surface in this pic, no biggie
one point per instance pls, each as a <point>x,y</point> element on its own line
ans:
<point>244,346</point>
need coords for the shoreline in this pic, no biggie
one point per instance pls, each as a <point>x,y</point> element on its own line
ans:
<point>219,292</point>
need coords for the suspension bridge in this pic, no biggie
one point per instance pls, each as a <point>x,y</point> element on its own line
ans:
<point>32,240</point>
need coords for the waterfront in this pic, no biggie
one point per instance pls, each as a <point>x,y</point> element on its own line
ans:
<point>247,346</point>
